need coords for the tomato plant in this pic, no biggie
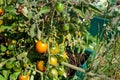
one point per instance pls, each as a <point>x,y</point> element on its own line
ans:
<point>53,73</point>
<point>66,27</point>
<point>17,67</point>
<point>41,66</point>
<point>53,60</point>
<point>62,30</point>
<point>54,49</point>
<point>41,47</point>
<point>59,6</point>
<point>24,77</point>
<point>1,22</point>
<point>11,46</point>
<point>9,64</point>
<point>1,11</point>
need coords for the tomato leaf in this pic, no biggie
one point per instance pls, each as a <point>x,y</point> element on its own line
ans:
<point>14,76</point>
<point>2,28</point>
<point>2,78</point>
<point>45,10</point>
<point>10,9</point>
<point>32,31</point>
<point>78,11</point>
<point>5,73</point>
<point>1,2</point>
<point>95,9</point>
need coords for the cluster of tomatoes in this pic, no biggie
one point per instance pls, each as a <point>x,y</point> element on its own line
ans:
<point>55,56</point>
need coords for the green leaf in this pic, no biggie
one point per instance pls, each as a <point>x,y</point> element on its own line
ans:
<point>2,28</point>
<point>10,9</point>
<point>45,10</point>
<point>14,76</point>
<point>1,2</point>
<point>30,14</point>
<point>3,48</point>
<point>2,78</point>
<point>93,8</point>
<point>32,31</point>
<point>6,73</point>
<point>78,11</point>
<point>20,1</point>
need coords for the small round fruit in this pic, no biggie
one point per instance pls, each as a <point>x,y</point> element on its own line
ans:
<point>66,27</point>
<point>53,60</point>
<point>1,11</point>
<point>41,47</point>
<point>9,64</point>
<point>24,77</point>
<point>41,66</point>
<point>53,73</point>
<point>3,48</point>
<point>59,6</point>
<point>11,47</point>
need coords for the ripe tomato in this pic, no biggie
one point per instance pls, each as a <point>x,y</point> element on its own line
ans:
<point>24,77</point>
<point>41,66</point>
<point>41,47</point>
<point>1,11</point>
<point>59,6</point>
<point>53,60</point>
<point>53,73</point>
<point>54,49</point>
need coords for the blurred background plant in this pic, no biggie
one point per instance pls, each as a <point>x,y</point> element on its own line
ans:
<point>61,29</point>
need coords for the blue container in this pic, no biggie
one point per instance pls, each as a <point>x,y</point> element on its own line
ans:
<point>97,26</point>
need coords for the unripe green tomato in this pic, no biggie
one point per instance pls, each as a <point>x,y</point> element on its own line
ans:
<point>66,27</point>
<point>53,73</point>
<point>3,48</point>
<point>11,47</point>
<point>59,6</point>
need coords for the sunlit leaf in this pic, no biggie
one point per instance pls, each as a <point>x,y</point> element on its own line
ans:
<point>45,10</point>
<point>78,11</point>
<point>6,73</point>
<point>32,31</point>
<point>95,9</point>
<point>2,78</point>
<point>10,9</point>
<point>2,28</point>
<point>14,76</point>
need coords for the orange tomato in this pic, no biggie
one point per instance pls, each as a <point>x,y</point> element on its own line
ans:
<point>41,47</point>
<point>53,60</point>
<point>24,77</point>
<point>1,11</point>
<point>40,66</point>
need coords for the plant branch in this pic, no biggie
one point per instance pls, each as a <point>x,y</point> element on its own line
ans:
<point>83,71</point>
